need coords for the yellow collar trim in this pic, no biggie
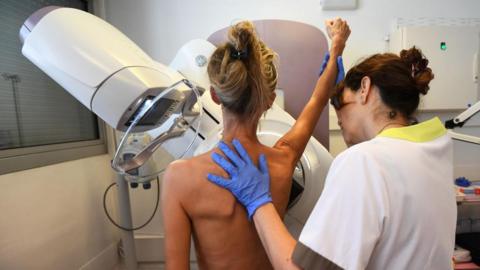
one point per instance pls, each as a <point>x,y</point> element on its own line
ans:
<point>421,132</point>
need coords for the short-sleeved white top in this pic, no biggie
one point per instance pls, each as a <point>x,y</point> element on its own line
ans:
<point>388,203</point>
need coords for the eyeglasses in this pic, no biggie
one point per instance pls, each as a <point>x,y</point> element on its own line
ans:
<point>337,99</point>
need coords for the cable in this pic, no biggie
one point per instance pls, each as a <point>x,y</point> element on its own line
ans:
<point>134,228</point>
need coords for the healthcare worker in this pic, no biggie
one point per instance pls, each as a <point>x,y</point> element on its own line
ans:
<point>388,200</point>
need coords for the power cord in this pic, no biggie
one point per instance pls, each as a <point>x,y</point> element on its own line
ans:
<point>120,226</point>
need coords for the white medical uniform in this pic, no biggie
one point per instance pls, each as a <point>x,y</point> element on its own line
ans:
<point>388,203</point>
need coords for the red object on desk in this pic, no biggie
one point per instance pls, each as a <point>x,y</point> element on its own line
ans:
<point>466,266</point>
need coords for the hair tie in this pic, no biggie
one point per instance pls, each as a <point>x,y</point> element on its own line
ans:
<point>238,54</point>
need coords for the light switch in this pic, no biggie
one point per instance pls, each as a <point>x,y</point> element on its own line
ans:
<point>338,4</point>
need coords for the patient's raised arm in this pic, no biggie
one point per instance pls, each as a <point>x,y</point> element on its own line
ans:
<point>296,139</point>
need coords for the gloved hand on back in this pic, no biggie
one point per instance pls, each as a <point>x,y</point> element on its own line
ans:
<point>249,184</point>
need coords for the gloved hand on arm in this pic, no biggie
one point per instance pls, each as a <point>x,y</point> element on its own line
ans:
<point>249,184</point>
<point>340,68</point>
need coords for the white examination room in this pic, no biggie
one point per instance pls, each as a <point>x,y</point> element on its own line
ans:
<point>274,134</point>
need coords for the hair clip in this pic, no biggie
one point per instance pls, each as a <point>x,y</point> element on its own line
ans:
<point>414,70</point>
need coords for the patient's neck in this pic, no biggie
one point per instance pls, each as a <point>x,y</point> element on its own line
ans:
<point>235,128</point>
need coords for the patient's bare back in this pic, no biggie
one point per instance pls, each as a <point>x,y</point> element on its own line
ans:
<point>224,238</point>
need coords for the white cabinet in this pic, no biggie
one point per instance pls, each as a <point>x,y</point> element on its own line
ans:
<point>453,52</point>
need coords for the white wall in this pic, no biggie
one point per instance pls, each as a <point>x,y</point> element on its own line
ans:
<point>52,217</point>
<point>161,27</point>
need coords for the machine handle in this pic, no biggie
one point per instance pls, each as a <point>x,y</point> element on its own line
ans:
<point>179,127</point>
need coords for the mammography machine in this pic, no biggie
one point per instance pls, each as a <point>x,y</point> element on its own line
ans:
<point>134,94</point>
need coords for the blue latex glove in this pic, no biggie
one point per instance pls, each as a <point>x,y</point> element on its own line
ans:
<point>249,184</point>
<point>340,68</point>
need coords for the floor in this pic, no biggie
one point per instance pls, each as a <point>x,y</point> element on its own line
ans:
<point>152,266</point>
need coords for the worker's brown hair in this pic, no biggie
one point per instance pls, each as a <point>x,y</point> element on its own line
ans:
<point>400,79</point>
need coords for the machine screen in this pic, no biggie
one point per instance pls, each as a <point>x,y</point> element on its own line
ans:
<point>156,113</point>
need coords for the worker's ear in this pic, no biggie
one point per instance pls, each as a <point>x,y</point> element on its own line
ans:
<point>214,96</point>
<point>365,89</point>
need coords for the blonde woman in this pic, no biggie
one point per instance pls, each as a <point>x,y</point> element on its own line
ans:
<point>243,78</point>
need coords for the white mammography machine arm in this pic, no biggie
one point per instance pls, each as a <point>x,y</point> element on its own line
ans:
<point>112,77</point>
<point>101,68</point>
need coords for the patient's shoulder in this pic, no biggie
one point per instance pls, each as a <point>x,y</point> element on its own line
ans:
<point>176,181</point>
<point>174,174</point>
<point>175,169</point>
<point>184,170</point>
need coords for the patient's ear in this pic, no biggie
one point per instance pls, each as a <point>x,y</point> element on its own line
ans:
<point>272,99</point>
<point>214,96</point>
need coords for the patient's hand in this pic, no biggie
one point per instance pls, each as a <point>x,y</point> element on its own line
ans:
<point>338,31</point>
